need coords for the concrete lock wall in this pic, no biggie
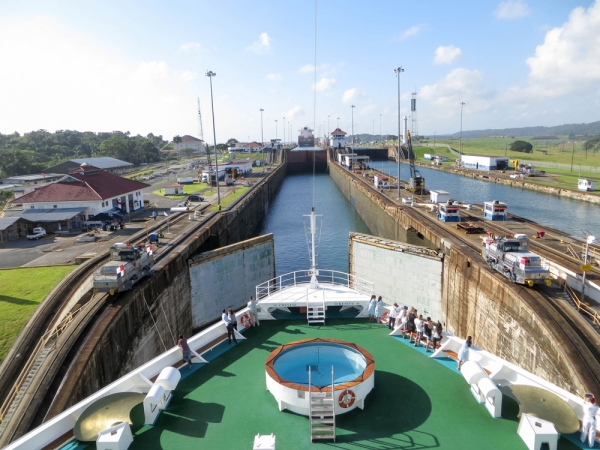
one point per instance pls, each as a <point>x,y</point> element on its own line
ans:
<point>502,321</point>
<point>404,274</point>
<point>142,323</point>
<point>503,318</point>
<point>222,278</point>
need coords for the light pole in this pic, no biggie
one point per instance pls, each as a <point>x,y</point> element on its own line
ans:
<point>398,71</point>
<point>337,124</point>
<point>210,74</point>
<point>328,131</point>
<point>262,138</point>
<point>283,126</point>
<point>380,135</point>
<point>589,240</point>
<point>460,147</point>
<point>353,124</point>
<point>275,130</point>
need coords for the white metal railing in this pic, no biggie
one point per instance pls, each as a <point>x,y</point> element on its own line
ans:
<point>324,277</point>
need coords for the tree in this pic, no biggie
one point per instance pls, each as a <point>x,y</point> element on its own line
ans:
<point>592,144</point>
<point>521,146</point>
<point>231,142</point>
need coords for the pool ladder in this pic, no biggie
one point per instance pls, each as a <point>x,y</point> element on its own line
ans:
<point>321,413</point>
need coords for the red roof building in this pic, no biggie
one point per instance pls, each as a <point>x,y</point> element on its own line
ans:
<point>190,142</point>
<point>87,187</point>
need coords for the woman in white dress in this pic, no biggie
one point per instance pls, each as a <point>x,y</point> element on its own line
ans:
<point>372,304</point>
<point>588,424</point>
<point>463,353</point>
<point>378,309</point>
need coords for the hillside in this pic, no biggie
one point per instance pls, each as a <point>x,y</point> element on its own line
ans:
<point>578,129</point>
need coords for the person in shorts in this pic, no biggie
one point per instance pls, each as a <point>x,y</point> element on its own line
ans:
<point>419,325</point>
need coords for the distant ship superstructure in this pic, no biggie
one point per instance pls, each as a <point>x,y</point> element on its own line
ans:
<point>306,138</point>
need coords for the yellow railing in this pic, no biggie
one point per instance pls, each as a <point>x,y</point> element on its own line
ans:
<point>582,307</point>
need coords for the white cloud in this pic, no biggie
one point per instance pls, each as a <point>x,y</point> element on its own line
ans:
<point>569,59</point>
<point>324,84</point>
<point>412,31</point>
<point>294,113</point>
<point>512,10</point>
<point>274,76</point>
<point>447,55</point>
<point>460,85</point>
<point>309,68</point>
<point>187,76</point>
<point>263,45</point>
<point>368,110</point>
<point>349,95</point>
<point>189,46</point>
<point>83,86</point>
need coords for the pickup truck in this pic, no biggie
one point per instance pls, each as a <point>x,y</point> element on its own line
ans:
<point>38,232</point>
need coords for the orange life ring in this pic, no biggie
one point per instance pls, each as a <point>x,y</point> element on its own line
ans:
<point>346,398</point>
<point>246,322</point>
<point>384,318</point>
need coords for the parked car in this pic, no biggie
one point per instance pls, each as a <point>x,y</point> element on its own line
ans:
<point>38,232</point>
<point>195,198</point>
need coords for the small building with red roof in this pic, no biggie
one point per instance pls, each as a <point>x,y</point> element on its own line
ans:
<point>338,139</point>
<point>79,196</point>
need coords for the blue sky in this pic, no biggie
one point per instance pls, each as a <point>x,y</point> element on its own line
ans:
<point>140,66</point>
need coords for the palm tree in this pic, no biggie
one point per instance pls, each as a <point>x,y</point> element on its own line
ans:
<point>177,140</point>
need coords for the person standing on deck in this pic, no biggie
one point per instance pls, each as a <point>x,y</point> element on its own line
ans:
<point>372,304</point>
<point>253,312</point>
<point>418,330</point>
<point>185,349</point>
<point>410,323</point>
<point>463,353</point>
<point>231,322</point>
<point>378,309</point>
<point>427,329</point>
<point>588,424</point>
<point>392,317</point>
<point>436,336</point>
<point>401,320</point>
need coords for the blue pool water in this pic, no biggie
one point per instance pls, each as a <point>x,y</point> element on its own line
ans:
<point>292,365</point>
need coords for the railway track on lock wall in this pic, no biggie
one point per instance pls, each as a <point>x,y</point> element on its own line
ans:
<point>578,340</point>
<point>52,341</point>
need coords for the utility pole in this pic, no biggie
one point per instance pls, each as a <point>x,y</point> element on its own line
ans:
<point>398,71</point>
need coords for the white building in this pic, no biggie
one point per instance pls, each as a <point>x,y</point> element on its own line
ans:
<point>481,162</point>
<point>337,139</point>
<point>190,142</point>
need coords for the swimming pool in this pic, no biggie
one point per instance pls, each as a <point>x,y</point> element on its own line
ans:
<point>287,371</point>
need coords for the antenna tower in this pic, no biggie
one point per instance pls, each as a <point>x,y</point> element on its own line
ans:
<point>200,129</point>
<point>413,110</point>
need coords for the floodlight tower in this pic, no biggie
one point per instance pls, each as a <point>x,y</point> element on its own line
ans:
<point>415,123</point>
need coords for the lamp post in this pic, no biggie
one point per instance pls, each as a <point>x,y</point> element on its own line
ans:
<point>283,126</point>
<point>275,130</point>
<point>210,74</point>
<point>337,124</point>
<point>328,131</point>
<point>380,135</point>
<point>353,124</point>
<point>589,240</point>
<point>262,138</point>
<point>398,71</point>
<point>460,147</point>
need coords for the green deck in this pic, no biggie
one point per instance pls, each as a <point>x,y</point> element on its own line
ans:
<point>417,402</point>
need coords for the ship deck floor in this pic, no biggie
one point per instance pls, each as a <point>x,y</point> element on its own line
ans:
<point>417,403</point>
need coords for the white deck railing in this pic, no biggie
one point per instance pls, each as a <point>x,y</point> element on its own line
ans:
<point>324,277</point>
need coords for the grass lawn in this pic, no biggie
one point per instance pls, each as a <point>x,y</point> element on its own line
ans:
<point>231,197</point>
<point>187,189</point>
<point>22,291</point>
